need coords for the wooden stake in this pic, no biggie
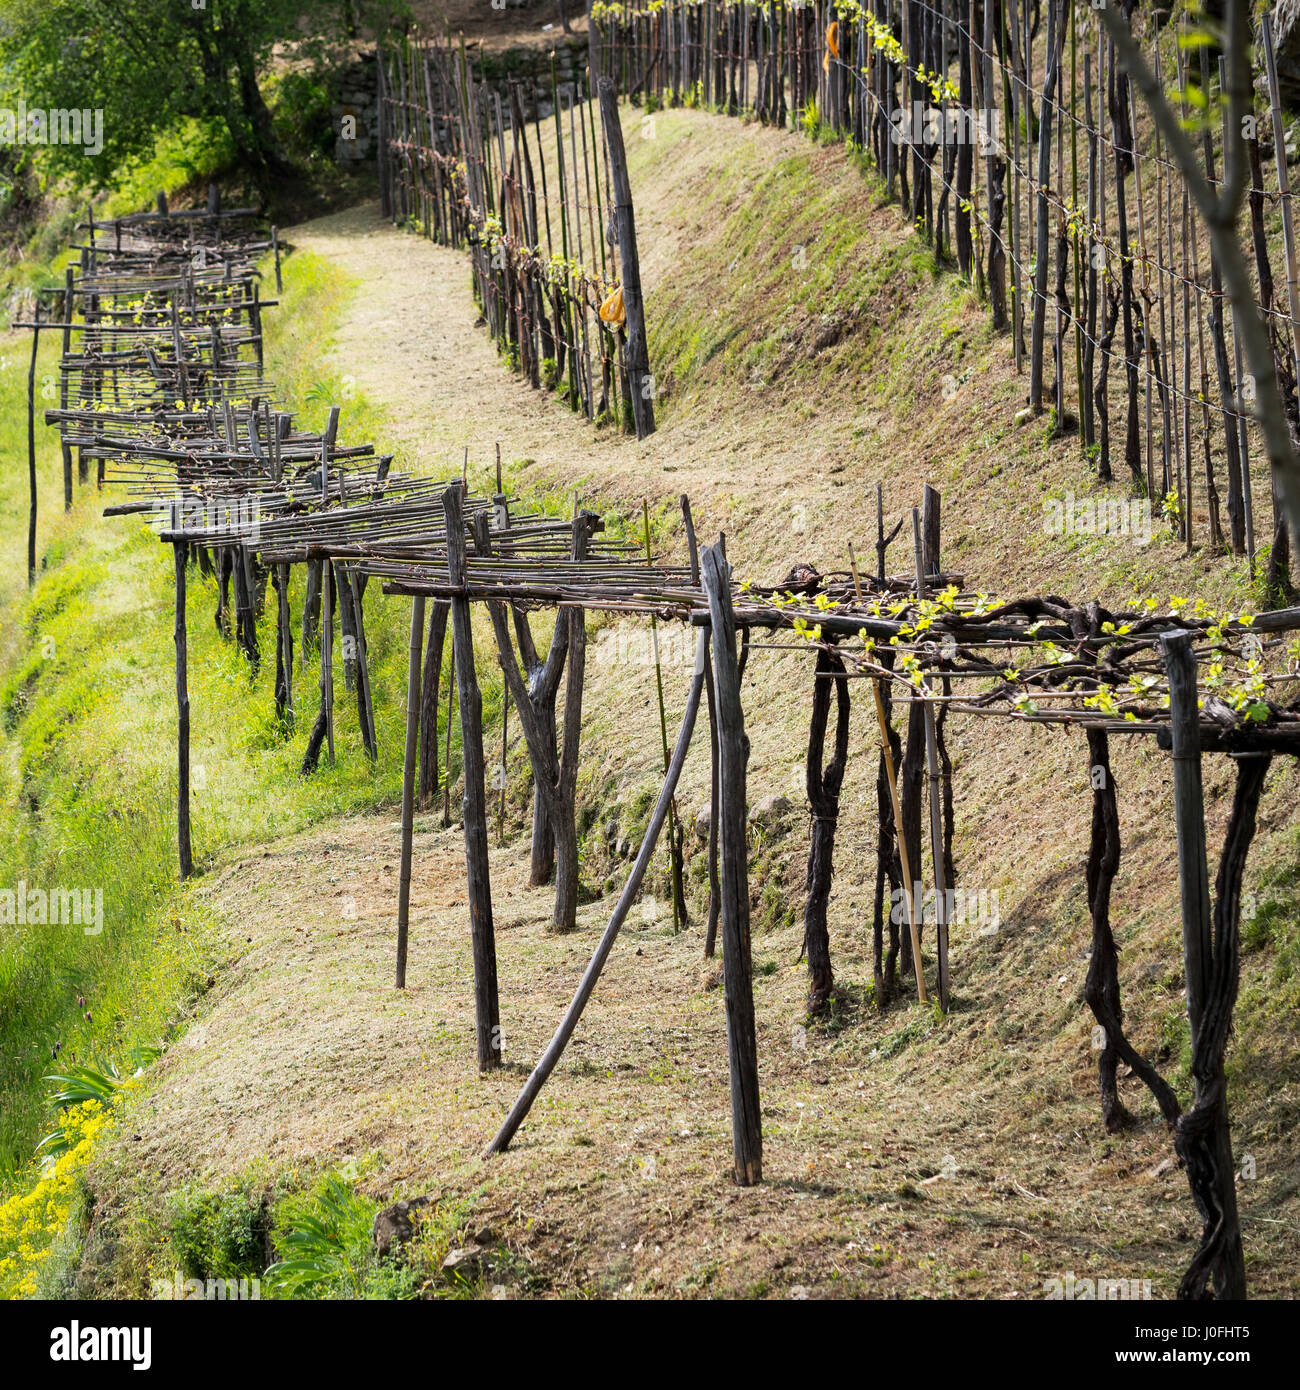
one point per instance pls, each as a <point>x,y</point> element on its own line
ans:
<point>31,448</point>
<point>475,801</point>
<point>63,387</point>
<point>185,852</point>
<point>742,1045</point>
<point>936,806</point>
<point>408,782</point>
<point>638,362</point>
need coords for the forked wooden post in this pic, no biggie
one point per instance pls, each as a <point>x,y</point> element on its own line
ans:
<point>408,781</point>
<point>737,968</point>
<point>475,803</point>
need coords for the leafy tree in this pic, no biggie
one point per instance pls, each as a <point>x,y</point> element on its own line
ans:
<point>149,63</point>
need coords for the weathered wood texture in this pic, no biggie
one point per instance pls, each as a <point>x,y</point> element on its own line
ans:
<point>737,967</point>
<point>474,806</point>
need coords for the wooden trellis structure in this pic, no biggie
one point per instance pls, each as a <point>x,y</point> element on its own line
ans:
<point>185,426</point>
<point>1017,145</point>
<point>1103,674</point>
<point>554,254</point>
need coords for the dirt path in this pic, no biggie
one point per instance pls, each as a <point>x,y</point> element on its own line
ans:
<point>772,465</point>
<point>411,342</point>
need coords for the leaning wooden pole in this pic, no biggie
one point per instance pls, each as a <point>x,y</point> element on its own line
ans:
<point>737,970</point>
<point>486,1012</point>
<point>555,1048</point>
<point>408,783</point>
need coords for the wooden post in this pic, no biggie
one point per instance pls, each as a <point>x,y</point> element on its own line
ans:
<point>475,801</point>
<point>365,701</point>
<point>63,388</point>
<point>31,448</point>
<point>323,729</point>
<point>935,800</point>
<point>427,783</point>
<point>182,711</point>
<point>1054,38</point>
<point>638,361</point>
<point>1211,955</point>
<point>327,655</point>
<point>311,607</point>
<point>674,837</point>
<point>284,647</point>
<point>823,780</point>
<point>1189,817</point>
<point>385,197</point>
<point>275,245</point>
<point>1283,184</point>
<point>715,886</point>
<point>451,714</point>
<point>408,782</point>
<point>733,752</point>
<point>326,446</point>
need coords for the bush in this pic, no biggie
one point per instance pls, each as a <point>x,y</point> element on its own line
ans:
<point>219,1235</point>
<point>301,108</point>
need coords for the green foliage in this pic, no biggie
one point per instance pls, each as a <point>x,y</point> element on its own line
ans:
<point>151,68</point>
<point>325,1238</point>
<point>1269,917</point>
<point>218,1234</point>
<point>194,151</point>
<point>301,104</point>
<point>77,1084</point>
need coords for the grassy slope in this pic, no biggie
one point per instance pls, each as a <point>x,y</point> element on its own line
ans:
<point>89,749</point>
<point>793,386</point>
